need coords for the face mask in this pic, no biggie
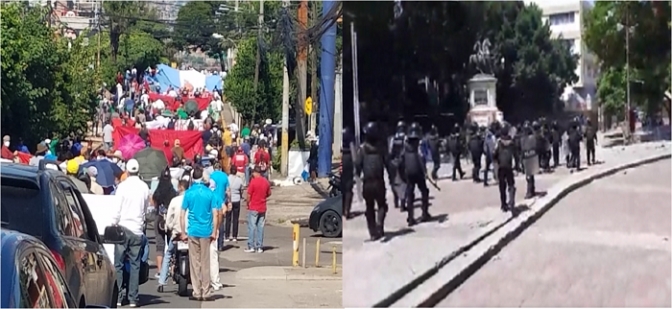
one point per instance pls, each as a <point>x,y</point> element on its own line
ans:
<point>6,144</point>
<point>115,160</point>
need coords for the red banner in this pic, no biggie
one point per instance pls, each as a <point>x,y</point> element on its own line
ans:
<point>191,141</point>
<point>173,104</point>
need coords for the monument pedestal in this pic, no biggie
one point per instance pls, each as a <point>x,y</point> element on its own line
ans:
<point>483,100</point>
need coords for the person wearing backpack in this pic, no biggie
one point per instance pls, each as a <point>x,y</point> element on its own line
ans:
<point>262,159</point>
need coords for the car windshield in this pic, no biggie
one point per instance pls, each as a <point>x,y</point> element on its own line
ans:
<point>21,207</point>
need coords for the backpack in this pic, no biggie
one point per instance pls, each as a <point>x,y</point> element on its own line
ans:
<point>263,157</point>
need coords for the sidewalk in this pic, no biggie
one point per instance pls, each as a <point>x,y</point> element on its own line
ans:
<point>467,213</point>
<point>279,287</point>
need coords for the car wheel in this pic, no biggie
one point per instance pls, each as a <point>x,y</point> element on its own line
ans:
<point>331,224</point>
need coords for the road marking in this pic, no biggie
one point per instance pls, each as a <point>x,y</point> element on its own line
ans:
<point>338,243</point>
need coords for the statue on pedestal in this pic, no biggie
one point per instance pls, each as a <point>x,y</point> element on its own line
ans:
<point>482,58</point>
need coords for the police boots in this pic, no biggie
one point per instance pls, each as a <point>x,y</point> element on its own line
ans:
<point>530,187</point>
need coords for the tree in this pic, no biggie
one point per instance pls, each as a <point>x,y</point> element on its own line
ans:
<point>648,49</point>
<point>239,89</point>
<point>120,16</point>
<point>611,91</point>
<point>48,84</point>
<point>195,26</point>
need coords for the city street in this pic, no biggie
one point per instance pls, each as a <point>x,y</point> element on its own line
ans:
<point>604,245</point>
<point>464,213</point>
<point>311,292</point>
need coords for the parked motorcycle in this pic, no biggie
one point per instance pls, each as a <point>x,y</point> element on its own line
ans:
<point>180,262</point>
<point>334,185</point>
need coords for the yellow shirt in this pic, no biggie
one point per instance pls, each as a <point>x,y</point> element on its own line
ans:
<point>226,138</point>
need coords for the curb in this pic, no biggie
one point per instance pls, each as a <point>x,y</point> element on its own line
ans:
<point>282,275</point>
<point>434,285</point>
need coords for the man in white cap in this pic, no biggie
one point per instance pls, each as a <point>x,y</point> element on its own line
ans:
<point>130,216</point>
<point>95,187</point>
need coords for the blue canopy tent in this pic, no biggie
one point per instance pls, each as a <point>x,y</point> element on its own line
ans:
<point>213,81</point>
<point>167,77</point>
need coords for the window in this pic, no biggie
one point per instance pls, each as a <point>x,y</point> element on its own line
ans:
<point>561,18</point>
<point>64,221</point>
<point>56,283</point>
<point>32,283</point>
<point>75,212</point>
<point>480,97</point>
<point>22,207</point>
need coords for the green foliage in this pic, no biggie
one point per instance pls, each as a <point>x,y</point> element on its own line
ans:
<point>48,85</point>
<point>196,26</point>
<point>239,88</point>
<point>649,46</point>
<point>611,91</point>
<point>436,39</point>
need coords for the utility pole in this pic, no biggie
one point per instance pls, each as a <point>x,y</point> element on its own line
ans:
<point>313,69</point>
<point>301,63</point>
<point>259,34</point>
<point>627,74</point>
<point>98,11</point>
<point>284,146</point>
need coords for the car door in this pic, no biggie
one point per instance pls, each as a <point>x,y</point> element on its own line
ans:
<point>33,285</point>
<point>59,291</point>
<point>88,249</point>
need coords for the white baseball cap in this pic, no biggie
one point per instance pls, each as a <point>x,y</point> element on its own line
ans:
<point>132,166</point>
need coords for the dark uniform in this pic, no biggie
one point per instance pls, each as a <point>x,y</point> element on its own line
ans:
<point>433,142</point>
<point>455,149</point>
<point>347,174</point>
<point>556,141</point>
<point>414,170</point>
<point>476,150</point>
<point>530,159</point>
<point>372,162</point>
<point>542,144</point>
<point>517,138</point>
<point>591,140</point>
<point>575,137</point>
<point>505,151</point>
<point>396,147</point>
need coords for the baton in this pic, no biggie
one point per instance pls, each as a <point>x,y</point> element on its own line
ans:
<point>433,182</point>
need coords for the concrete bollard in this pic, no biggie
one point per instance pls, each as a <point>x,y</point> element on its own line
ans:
<point>317,253</point>
<point>303,253</point>
<point>295,241</point>
<point>333,259</point>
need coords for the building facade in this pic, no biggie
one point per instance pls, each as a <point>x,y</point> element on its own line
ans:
<point>566,22</point>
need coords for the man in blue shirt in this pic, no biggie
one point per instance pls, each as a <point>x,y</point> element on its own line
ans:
<point>204,208</point>
<point>221,190</point>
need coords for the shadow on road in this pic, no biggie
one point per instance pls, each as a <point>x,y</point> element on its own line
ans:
<point>147,300</point>
<point>391,235</point>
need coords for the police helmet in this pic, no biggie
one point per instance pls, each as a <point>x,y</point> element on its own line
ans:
<point>434,129</point>
<point>504,131</point>
<point>401,125</point>
<point>415,131</point>
<point>371,131</point>
<point>535,125</point>
<point>456,128</point>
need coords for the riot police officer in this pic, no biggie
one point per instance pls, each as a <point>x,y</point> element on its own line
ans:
<point>517,140</point>
<point>530,159</point>
<point>591,140</point>
<point>503,157</point>
<point>396,147</point>
<point>414,171</point>
<point>476,150</point>
<point>541,144</point>
<point>347,173</point>
<point>433,144</point>
<point>555,143</point>
<point>372,162</point>
<point>455,149</point>
<point>575,138</point>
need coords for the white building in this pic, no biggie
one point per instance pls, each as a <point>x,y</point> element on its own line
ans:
<point>564,17</point>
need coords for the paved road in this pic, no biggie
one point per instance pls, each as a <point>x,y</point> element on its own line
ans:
<point>605,245</point>
<point>278,242</point>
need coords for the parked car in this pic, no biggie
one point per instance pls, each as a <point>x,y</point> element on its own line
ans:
<point>30,275</point>
<point>46,204</point>
<point>327,217</point>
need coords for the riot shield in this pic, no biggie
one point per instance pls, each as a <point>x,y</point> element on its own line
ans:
<point>531,165</point>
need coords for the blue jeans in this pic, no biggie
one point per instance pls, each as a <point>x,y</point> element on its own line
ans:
<point>255,229</point>
<point>163,276</point>
<point>130,250</point>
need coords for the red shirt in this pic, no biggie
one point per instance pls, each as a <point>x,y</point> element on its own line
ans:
<point>258,190</point>
<point>6,153</point>
<point>266,159</point>
<point>240,161</point>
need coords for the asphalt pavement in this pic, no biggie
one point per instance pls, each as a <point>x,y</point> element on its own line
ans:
<point>604,245</point>
<point>278,253</point>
